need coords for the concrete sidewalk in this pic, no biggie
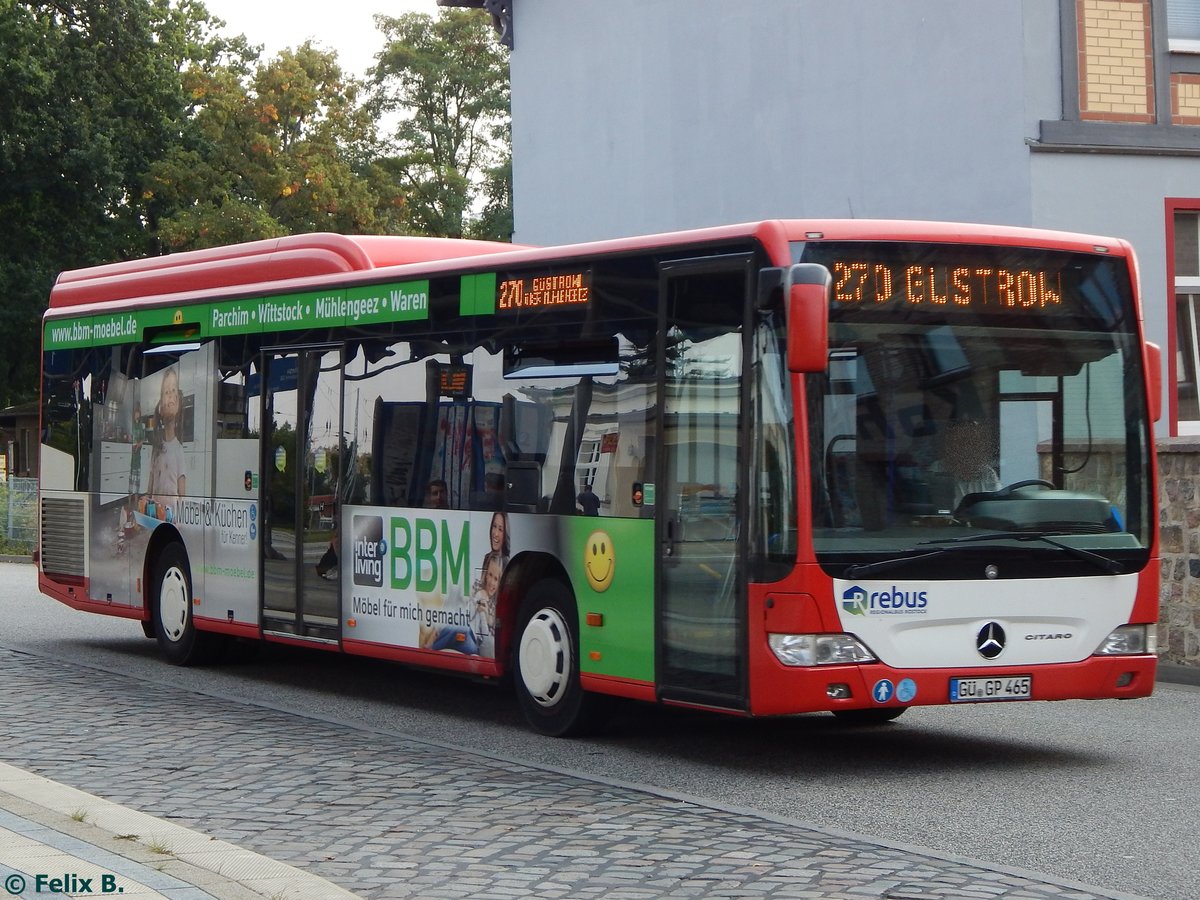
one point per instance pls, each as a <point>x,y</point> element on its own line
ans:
<point>58,840</point>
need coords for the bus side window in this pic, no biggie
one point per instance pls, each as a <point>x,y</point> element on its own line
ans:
<point>573,414</point>
<point>388,427</point>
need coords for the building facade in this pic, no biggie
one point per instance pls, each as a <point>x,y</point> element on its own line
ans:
<point>635,116</point>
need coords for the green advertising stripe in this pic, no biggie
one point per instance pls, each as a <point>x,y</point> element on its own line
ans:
<point>233,317</point>
<point>399,302</point>
<point>477,294</point>
<point>118,328</point>
<point>290,312</point>
<point>62,334</point>
<point>404,302</point>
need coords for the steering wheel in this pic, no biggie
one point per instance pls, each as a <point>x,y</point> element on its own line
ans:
<point>1029,482</point>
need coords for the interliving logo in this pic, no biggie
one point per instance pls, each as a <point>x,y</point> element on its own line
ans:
<point>369,550</point>
<point>855,601</point>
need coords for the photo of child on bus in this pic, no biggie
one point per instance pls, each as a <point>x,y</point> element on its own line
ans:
<point>478,638</point>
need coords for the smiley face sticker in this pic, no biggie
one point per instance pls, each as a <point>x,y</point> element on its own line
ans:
<point>599,561</point>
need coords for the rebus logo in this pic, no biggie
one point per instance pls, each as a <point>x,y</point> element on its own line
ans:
<point>858,601</point>
<point>369,550</point>
<point>855,601</point>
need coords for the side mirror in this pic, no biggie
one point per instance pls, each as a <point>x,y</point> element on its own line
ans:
<point>1154,379</point>
<point>808,288</point>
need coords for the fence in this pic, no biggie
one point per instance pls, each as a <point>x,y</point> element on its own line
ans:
<point>18,514</point>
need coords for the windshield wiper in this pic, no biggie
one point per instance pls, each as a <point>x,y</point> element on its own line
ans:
<point>883,565</point>
<point>1111,566</point>
<point>859,570</point>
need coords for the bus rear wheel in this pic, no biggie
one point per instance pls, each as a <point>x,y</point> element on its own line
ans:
<point>174,629</point>
<point>545,664</point>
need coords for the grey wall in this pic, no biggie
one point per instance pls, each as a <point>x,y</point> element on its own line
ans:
<point>637,116</point>
<point>1120,196</point>
<point>633,116</point>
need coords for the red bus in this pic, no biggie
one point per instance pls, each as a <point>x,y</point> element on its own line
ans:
<point>763,469</point>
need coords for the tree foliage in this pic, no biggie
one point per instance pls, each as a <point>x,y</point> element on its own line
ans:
<point>91,97</point>
<point>278,152</point>
<point>445,84</point>
<point>133,127</point>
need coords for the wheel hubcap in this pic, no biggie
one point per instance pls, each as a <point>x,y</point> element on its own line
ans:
<point>173,604</point>
<point>545,657</point>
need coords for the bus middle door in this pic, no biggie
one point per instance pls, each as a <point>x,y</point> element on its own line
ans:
<point>301,447</point>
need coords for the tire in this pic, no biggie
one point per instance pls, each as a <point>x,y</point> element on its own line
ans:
<point>545,665</point>
<point>174,629</point>
<point>869,716</point>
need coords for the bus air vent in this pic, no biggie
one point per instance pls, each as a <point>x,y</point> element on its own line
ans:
<point>63,536</point>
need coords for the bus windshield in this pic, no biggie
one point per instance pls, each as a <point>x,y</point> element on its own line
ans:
<point>981,406</point>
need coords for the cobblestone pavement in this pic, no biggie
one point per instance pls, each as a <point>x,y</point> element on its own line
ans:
<point>389,816</point>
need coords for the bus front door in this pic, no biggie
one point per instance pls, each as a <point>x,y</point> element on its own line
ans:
<point>301,452</point>
<point>699,500</point>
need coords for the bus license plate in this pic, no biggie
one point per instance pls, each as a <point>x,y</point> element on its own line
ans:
<point>1010,687</point>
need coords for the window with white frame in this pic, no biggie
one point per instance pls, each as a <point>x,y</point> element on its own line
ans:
<point>587,461</point>
<point>1183,26</point>
<point>1187,319</point>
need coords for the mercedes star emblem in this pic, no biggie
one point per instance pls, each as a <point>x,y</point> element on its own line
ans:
<point>990,640</point>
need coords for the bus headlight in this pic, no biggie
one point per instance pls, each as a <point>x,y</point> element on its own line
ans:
<point>818,649</point>
<point>1128,640</point>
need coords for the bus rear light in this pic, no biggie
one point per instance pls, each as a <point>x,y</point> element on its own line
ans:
<point>1129,640</point>
<point>818,649</point>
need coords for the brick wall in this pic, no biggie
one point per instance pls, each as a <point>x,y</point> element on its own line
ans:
<point>1185,99</point>
<point>1116,80</point>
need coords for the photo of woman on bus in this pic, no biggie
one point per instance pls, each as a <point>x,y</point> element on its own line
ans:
<point>167,481</point>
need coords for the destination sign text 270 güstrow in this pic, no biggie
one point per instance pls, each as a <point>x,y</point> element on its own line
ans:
<point>572,288</point>
<point>964,287</point>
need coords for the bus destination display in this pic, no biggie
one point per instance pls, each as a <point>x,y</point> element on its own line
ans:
<point>566,289</point>
<point>454,380</point>
<point>981,288</point>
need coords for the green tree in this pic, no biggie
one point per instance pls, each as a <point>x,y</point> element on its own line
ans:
<point>131,127</point>
<point>444,82</point>
<point>92,96</point>
<point>276,152</point>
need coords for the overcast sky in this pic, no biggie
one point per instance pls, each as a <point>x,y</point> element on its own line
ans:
<point>346,26</point>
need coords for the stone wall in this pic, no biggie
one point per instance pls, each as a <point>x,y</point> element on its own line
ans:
<point>1179,536</point>
<point>1179,541</point>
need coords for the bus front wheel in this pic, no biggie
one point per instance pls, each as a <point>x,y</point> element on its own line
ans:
<point>545,664</point>
<point>174,629</point>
